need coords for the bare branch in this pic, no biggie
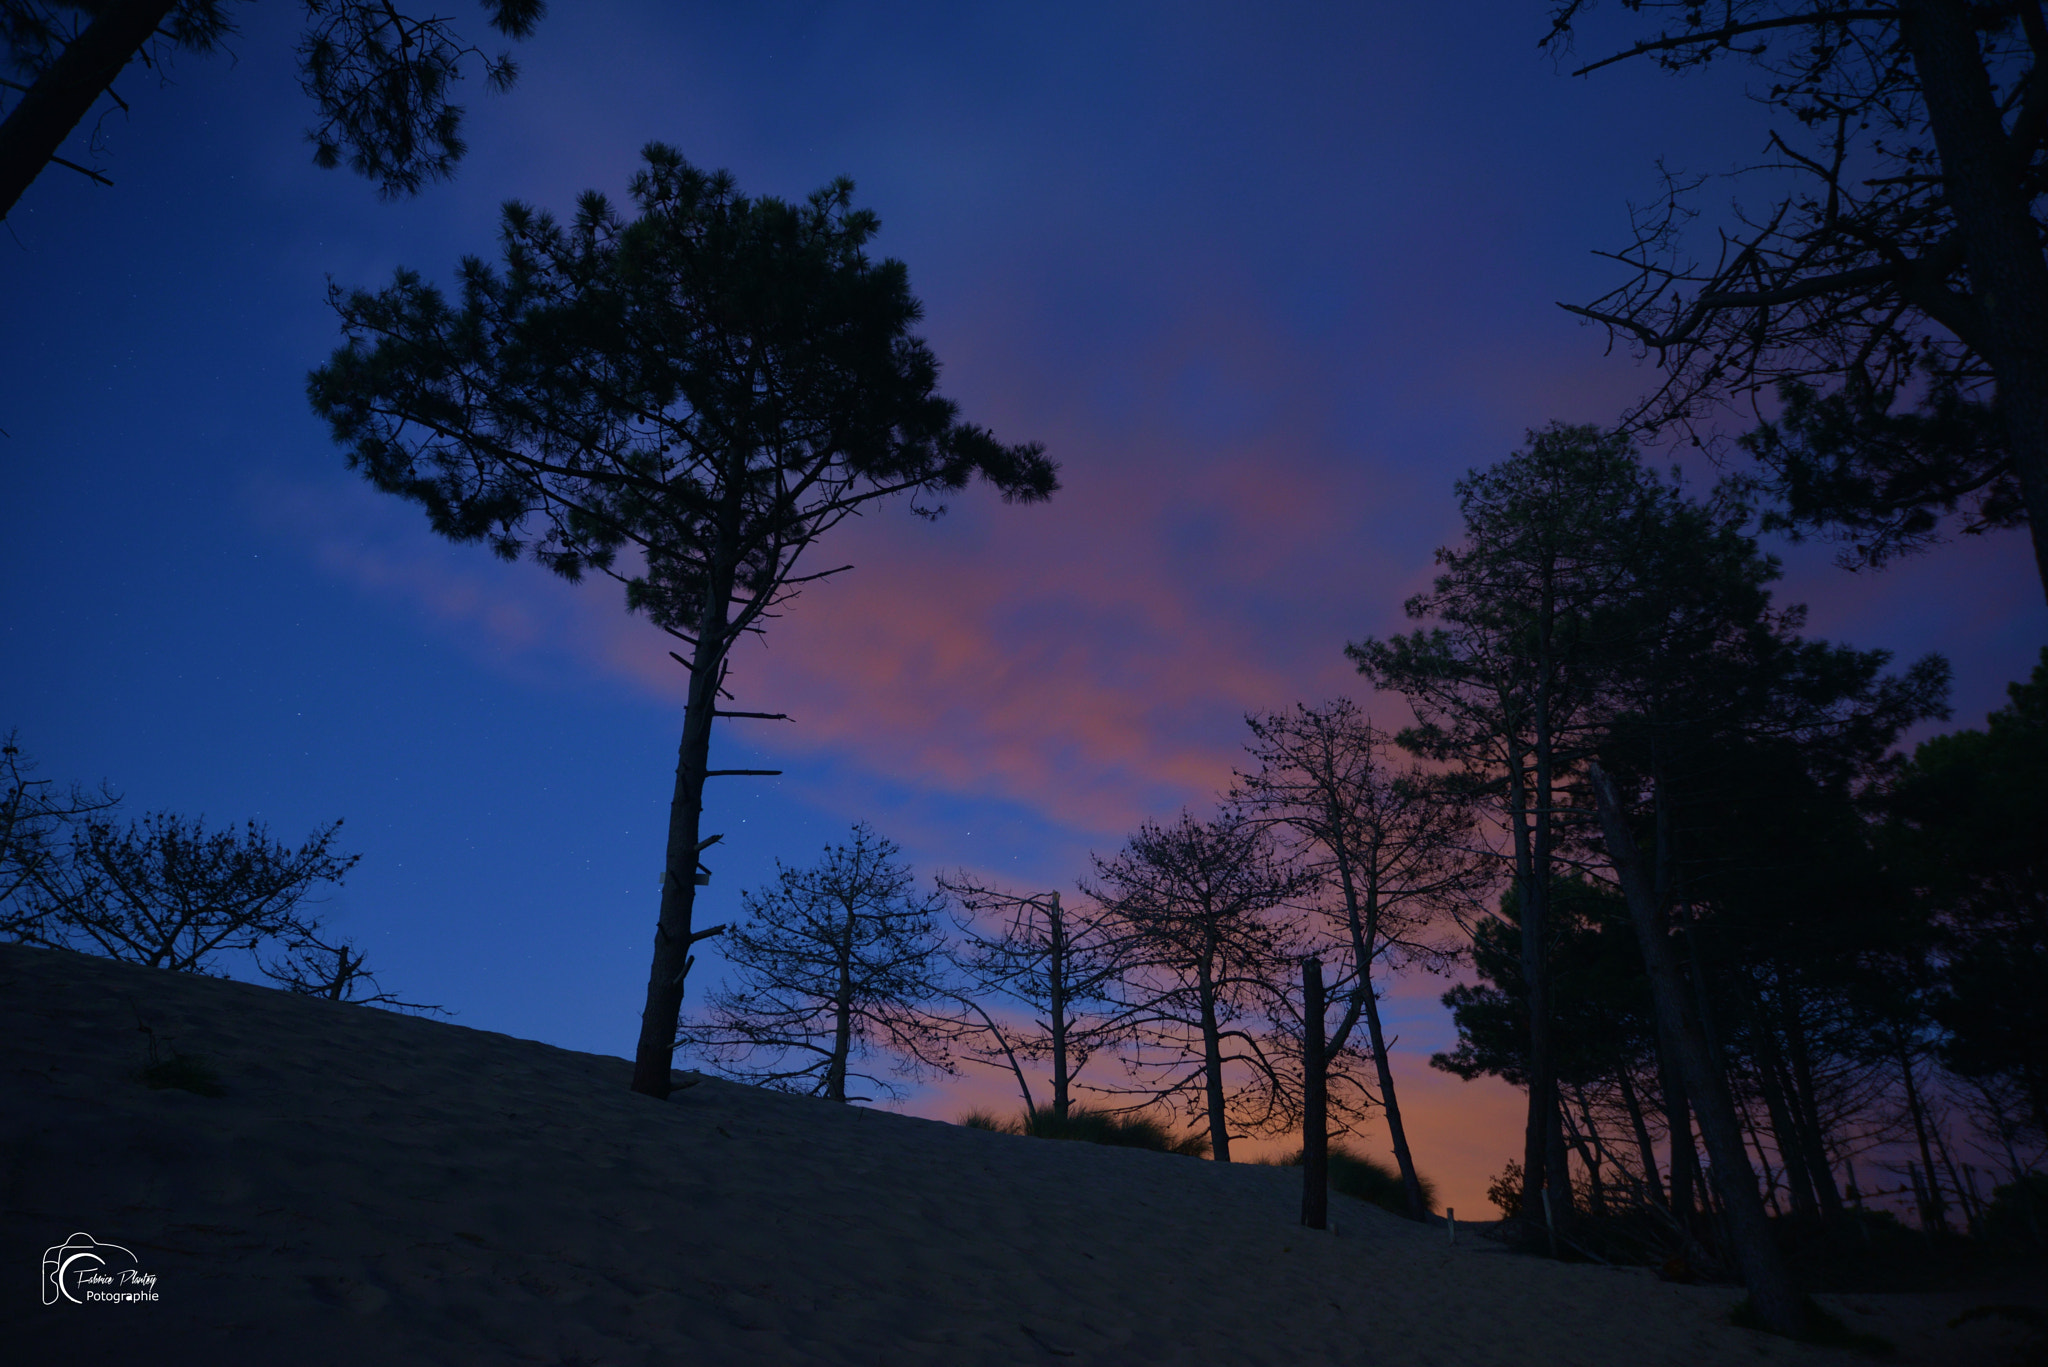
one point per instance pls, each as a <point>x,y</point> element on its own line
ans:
<point>1727,33</point>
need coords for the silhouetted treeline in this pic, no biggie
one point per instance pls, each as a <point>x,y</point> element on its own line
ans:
<point>1870,953</point>
<point>1751,961</point>
<point>1168,988</point>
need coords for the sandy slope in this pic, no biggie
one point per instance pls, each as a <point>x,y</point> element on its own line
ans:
<point>376,1188</point>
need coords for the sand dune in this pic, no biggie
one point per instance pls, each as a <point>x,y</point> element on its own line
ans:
<point>376,1188</point>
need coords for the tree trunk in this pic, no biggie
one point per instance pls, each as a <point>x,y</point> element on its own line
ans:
<point>1784,1130</point>
<point>1955,1182</point>
<point>1935,1214</point>
<point>1543,1047</point>
<point>1643,1145</point>
<point>842,1018</point>
<point>1763,1161</point>
<point>1807,1107</point>
<point>1315,1099</point>
<point>66,93</point>
<point>672,935</point>
<point>1418,1209</point>
<point>672,958</point>
<point>1532,886</point>
<point>1056,983</point>
<point>1920,1200</point>
<point>1212,1064</point>
<point>1685,1168</point>
<point>2001,241</point>
<point>1596,1186</point>
<point>1771,1293</point>
<point>1365,939</point>
<point>1599,1146</point>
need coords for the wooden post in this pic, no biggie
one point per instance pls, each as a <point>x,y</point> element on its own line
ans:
<point>1315,1133</point>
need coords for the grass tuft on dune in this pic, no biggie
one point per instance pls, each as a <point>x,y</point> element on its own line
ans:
<point>1091,1126</point>
<point>1370,1180</point>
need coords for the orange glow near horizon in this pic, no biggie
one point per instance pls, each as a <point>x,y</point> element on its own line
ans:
<point>1460,1133</point>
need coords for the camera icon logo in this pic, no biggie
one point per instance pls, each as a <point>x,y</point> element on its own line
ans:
<point>81,1255</point>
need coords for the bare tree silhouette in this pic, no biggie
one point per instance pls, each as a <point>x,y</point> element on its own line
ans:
<point>32,821</point>
<point>1208,970</point>
<point>1047,956</point>
<point>1392,853</point>
<point>166,892</point>
<point>833,965</point>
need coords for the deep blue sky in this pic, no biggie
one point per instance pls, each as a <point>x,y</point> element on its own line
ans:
<point>1264,279</point>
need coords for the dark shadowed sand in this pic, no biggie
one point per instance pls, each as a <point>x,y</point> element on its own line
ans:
<point>380,1189</point>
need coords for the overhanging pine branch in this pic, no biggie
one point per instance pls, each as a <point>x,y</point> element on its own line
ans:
<point>1727,33</point>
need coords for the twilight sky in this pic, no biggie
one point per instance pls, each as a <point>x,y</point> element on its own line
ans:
<point>1265,280</point>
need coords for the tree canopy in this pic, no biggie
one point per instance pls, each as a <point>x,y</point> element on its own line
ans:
<point>380,80</point>
<point>1895,297</point>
